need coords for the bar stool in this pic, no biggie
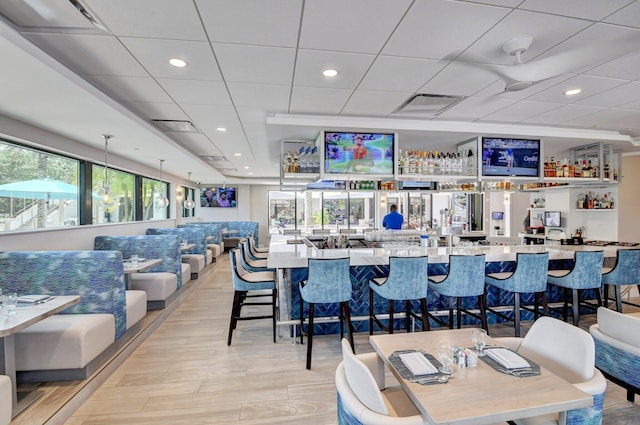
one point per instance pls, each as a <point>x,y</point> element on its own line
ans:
<point>244,285</point>
<point>250,264</point>
<point>407,281</point>
<point>328,282</point>
<point>255,247</point>
<point>585,274</point>
<point>254,255</point>
<point>465,279</point>
<point>626,271</point>
<point>529,276</point>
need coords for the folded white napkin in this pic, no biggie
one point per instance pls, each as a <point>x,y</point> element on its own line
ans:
<point>418,364</point>
<point>32,298</point>
<point>507,358</point>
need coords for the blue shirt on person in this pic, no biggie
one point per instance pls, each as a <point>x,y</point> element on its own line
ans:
<point>393,220</point>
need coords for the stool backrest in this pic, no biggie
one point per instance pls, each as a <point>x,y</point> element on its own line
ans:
<point>328,281</point>
<point>587,271</point>
<point>627,268</point>
<point>466,275</point>
<point>531,272</point>
<point>408,278</point>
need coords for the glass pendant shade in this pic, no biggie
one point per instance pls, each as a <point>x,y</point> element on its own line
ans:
<point>189,203</point>
<point>106,197</point>
<point>162,201</point>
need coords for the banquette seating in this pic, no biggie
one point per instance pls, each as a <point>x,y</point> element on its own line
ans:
<point>243,230</point>
<point>213,233</point>
<point>617,338</point>
<point>162,282</point>
<point>73,344</point>
<point>198,257</point>
<point>5,400</point>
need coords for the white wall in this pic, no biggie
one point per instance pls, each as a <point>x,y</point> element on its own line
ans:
<point>628,202</point>
<point>241,212</point>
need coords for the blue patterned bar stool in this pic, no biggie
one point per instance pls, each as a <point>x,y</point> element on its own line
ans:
<point>465,279</point>
<point>328,282</point>
<point>625,272</point>
<point>529,276</point>
<point>586,274</point>
<point>244,285</point>
<point>407,281</point>
<point>255,248</point>
<point>250,264</point>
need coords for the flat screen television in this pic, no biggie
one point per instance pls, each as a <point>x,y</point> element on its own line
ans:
<point>497,215</point>
<point>552,218</point>
<point>504,157</point>
<point>218,197</point>
<point>348,154</point>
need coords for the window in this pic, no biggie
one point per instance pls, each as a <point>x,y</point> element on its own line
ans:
<point>120,207</point>
<point>152,191</point>
<point>37,189</point>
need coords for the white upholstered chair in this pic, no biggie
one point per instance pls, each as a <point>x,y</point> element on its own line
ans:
<point>362,396</point>
<point>568,352</point>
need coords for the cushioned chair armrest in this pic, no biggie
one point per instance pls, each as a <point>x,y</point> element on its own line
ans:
<point>594,386</point>
<point>510,342</point>
<point>375,364</point>
<point>595,332</point>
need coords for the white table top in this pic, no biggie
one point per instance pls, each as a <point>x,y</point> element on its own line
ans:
<point>478,395</point>
<point>187,247</point>
<point>28,314</point>
<point>141,266</point>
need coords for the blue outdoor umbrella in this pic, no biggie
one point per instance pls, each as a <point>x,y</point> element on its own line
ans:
<point>39,189</point>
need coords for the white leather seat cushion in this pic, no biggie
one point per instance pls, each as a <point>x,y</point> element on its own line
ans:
<point>196,261</point>
<point>215,249</point>
<point>158,286</point>
<point>186,273</point>
<point>551,419</point>
<point>5,400</point>
<point>619,326</point>
<point>64,341</point>
<point>136,306</point>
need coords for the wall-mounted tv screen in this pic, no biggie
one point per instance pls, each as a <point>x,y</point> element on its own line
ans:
<point>218,197</point>
<point>510,157</point>
<point>552,218</point>
<point>497,215</point>
<point>351,153</point>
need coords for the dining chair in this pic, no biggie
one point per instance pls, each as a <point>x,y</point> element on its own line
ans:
<point>465,279</point>
<point>569,352</point>
<point>530,276</point>
<point>407,281</point>
<point>328,282</point>
<point>250,263</point>
<point>585,274</point>
<point>363,398</point>
<point>249,285</point>
<point>626,271</point>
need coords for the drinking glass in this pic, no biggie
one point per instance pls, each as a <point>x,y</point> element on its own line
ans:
<point>446,357</point>
<point>10,303</point>
<point>479,339</point>
<point>185,242</point>
<point>134,260</point>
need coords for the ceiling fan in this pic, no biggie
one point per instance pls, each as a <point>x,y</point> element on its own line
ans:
<point>520,75</point>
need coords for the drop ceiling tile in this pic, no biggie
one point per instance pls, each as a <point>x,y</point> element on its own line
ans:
<point>176,19</point>
<point>473,108</point>
<point>255,64</point>
<point>131,89</point>
<point>351,68</point>
<point>374,103</point>
<point>505,3</point>
<point>631,105</point>
<point>603,117</point>
<point>594,10</point>
<point>264,22</point>
<point>160,111</point>
<point>627,120</point>
<point>629,16</point>
<point>90,54</point>
<point>316,100</point>
<point>154,55</point>
<point>589,86</point>
<point>197,91</point>
<point>252,115</point>
<point>358,26</point>
<point>436,29</point>
<point>212,116</point>
<point>392,73</point>
<point>617,96</point>
<point>268,96</point>
<point>458,79</point>
<point>197,143</point>
<point>624,68</point>
<point>563,114</point>
<point>521,111</point>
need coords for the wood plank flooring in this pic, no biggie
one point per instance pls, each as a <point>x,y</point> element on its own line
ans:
<point>184,373</point>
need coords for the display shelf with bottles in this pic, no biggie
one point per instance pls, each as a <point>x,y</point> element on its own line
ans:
<point>596,201</point>
<point>300,161</point>
<point>421,164</point>
<point>595,163</point>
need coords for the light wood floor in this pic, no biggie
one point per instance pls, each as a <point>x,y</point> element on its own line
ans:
<point>184,373</point>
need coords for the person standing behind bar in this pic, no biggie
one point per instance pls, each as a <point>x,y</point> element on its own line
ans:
<point>394,219</point>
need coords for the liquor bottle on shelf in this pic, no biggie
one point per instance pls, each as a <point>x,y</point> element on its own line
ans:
<point>606,171</point>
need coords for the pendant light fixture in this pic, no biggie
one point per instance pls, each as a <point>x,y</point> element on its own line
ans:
<point>162,201</point>
<point>189,203</point>
<point>106,195</point>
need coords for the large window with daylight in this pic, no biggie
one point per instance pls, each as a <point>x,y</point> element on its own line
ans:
<point>37,189</point>
<point>113,201</point>
<point>153,192</point>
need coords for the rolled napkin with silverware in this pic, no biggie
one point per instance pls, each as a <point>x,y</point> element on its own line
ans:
<point>33,299</point>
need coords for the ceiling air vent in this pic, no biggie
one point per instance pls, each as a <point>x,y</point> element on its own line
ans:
<point>213,158</point>
<point>182,126</point>
<point>427,104</point>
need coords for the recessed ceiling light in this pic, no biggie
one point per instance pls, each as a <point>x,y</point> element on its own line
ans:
<point>221,129</point>
<point>246,167</point>
<point>330,73</point>
<point>177,62</point>
<point>237,154</point>
<point>250,173</point>
<point>572,92</point>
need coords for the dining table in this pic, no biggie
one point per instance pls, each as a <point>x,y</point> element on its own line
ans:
<point>140,266</point>
<point>480,394</point>
<point>26,314</point>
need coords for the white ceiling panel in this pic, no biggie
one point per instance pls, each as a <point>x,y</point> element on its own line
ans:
<point>263,23</point>
<point>458,79</point>
<point>320,101</point>
<point>632,105</point>
<point>392,73</point>
<point>255,64</point>
<point>563,114</point>
<point>617,96</point>
<point>101,54</point>
<point>351,68</point>
<point>197,142</point>
<point>505,3</point>
<point>157,111</point>
<point>177,19</point>
<point>154,56</point>
<point>628,16</point>
<point>594,10</point>
<point>362,26</point>
<point>374,103</point>
<point>252,115</point>
<point>473,108</point>
<point>520,111</point>
<point>217,116</point>
<point>589,86</point>
<point>131,89</point>
<point>603,118</point>
<point>437,29</point>
<point>268,96</point>
<point>624,68</point>
<point>197,92</point>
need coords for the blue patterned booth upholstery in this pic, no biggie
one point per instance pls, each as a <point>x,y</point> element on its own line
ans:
<point>213,234</point>
<point>617,338</point>
<point>160,288</point>
<point>193,236</point>
<point>68,345</point>
<point>244,228</point>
